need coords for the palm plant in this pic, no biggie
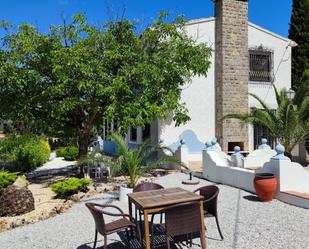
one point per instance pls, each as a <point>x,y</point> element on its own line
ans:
<point>288,124</point>
<point>133,162</point>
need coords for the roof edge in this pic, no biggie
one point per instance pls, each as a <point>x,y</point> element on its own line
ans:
<point>200,20</point>
<point>211,19</point>
<point>291,42</point>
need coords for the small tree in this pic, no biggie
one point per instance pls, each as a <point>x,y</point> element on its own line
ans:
<point>299,32</point>
<point>66,81</point>
<point>133,162</point>
<point>288,124</point>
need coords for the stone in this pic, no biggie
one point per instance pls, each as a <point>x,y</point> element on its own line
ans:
<point>21,182</point>
<point>232,70</point>
<point>15,201</point>
<point>4,225</point>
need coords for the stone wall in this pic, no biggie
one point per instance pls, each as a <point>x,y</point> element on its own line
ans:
<point>231,69</point>
<point>15,201</point>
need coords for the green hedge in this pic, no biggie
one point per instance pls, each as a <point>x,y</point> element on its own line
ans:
<point>70,153</point>
<point>6,179</point>
<point>70,187</point>
<point>23,153</point>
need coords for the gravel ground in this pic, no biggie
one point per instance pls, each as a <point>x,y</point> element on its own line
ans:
<point>245,222</point>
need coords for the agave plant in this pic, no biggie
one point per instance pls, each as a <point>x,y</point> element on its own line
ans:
<point>288,124</point>
<point>133,162</point>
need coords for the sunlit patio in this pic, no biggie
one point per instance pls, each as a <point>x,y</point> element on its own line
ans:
<point>245,223</point>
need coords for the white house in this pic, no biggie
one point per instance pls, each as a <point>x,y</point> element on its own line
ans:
<point>245,58</point>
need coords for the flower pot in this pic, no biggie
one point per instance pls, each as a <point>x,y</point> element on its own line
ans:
<point>123,193</point>
<point>265,185</point>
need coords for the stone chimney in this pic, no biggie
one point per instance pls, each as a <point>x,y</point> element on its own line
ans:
<point>231,71</point>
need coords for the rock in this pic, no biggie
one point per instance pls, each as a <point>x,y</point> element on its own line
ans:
<point>78,196</point>
<point>75,197</point>
<point>64,207</point>
<point>15,201</point>
<point>4,225</point>
<point>21,182</point>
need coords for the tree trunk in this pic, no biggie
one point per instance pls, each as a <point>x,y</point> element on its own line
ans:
<point>83,142</point>
<point>288,154</point>
<point>84,137</point>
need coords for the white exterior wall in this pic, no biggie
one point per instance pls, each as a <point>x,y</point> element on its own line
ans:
<point>282,68</point>
<point>199,95</point>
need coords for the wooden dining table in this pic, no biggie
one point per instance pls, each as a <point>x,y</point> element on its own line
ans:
<point>153,201</point>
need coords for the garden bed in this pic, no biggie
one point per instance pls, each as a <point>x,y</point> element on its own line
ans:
<point>47,206</point>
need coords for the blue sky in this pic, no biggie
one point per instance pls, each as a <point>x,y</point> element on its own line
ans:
<point>270,14</point>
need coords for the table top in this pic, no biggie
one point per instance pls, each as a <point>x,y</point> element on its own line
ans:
<point>162,197</point>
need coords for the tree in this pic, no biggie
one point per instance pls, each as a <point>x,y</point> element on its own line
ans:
<point>288,124</point>
<point>299,32</point>
<point>68,80</point>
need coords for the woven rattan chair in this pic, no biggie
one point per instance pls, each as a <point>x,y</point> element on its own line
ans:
<point>145,186</point>
<point>125,222</point>
<point>210,194</point>
<point>182,219</point>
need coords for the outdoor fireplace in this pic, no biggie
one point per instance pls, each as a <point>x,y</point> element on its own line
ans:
<point>231,146</point>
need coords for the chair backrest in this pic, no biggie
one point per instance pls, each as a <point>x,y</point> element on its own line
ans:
<point>147,186</point>
<point>182,219</point>
<point>97,216</point>
<point>210,194</point>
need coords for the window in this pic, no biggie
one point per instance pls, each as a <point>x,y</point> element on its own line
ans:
<point>108,128</point>
<point>261,65</point>
<point>133,134</point>
<point>146,132</point>
<point>260,132</point>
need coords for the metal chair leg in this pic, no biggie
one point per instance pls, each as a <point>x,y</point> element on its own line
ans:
<point>138,233</point>
<point>95,239</point>
<point>128,235</point>
<point>140,222</point>
<point>217,221</point>
<point>105,241</point>
<point>168,242</point>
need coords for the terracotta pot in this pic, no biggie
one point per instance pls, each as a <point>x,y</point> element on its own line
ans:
<point>265,185</point>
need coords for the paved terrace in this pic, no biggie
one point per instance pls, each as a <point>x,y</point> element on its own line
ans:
<point>245,222</point>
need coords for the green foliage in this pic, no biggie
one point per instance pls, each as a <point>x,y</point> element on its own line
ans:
<point>93,158</point>
<point>60,152</point>
<point>70,187</point>
<point>65,81</point>
<point>299,32</point>
<point>133,162</point>
<point>70,153</point>
<point>23,153</point>
<point>288,124</point>
<point>6,179</point>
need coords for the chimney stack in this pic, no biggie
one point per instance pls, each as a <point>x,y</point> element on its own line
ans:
<point>231,71</point>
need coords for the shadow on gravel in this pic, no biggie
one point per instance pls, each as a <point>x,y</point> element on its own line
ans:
<point>251,198</point>
<point>159,242</point>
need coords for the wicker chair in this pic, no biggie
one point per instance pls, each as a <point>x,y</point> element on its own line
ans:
<point>210,194</point>
<point>182,219</point>
<point>125,222</point>
<point>145,186</point>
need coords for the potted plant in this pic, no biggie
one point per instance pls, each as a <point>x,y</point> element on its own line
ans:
<point>133,162</point>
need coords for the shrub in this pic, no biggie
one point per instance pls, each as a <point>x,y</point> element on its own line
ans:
<point>6,179</point>
<point>70,153</point>
<point>60,152</point>
<point>70,187</point>
<point>23,153</point>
